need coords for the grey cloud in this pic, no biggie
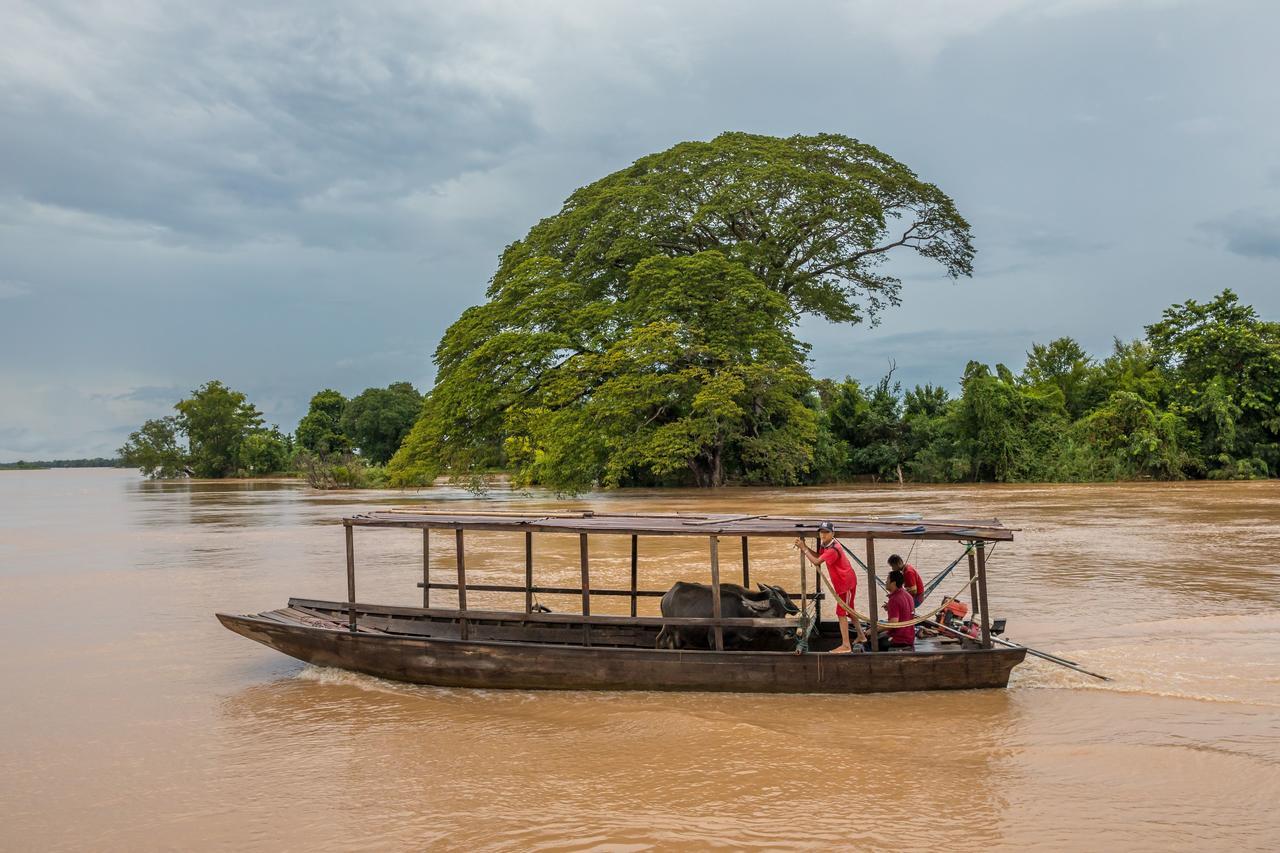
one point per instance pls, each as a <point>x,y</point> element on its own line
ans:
<point>1251,234</point>
<point>295,195</point>
<point>11,289</point>
<point>262,124</point>
<point>146,394</point>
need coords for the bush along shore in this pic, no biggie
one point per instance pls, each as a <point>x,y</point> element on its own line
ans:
<point>216,433</point>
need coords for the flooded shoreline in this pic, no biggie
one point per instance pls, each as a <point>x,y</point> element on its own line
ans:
<point>134,721</point>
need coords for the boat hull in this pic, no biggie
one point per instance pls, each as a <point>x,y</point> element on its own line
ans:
<point>489,664</point>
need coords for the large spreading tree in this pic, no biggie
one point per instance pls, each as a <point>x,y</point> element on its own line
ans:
<point>644,333</point>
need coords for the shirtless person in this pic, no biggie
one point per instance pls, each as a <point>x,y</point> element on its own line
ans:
<point>843,580</point>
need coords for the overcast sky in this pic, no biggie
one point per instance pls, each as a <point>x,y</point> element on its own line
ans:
<point>299,195</point>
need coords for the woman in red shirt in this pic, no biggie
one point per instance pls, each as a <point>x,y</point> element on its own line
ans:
<point>843,580</point>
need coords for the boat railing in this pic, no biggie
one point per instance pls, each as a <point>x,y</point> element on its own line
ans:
<point>713,528</point>
<point>558,618</point>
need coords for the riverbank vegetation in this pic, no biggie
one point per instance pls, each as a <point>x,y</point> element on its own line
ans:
<point>645,335</point>
<point>217,432</point>
<point>42,464</point>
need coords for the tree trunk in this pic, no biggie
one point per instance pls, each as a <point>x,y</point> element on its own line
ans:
<point>708,467</point>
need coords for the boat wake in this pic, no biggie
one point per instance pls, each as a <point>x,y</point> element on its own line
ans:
<point>1231,659</point>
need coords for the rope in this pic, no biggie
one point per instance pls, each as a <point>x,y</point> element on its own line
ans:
<point>937,579</point>
<point>840,605</point>
<point>807,625</point>
<point>942,575</point>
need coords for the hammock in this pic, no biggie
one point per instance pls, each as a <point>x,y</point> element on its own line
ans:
<point>840,605</point>
<point>928,587</point>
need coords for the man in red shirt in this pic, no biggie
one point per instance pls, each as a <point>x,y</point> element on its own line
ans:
<point>911,579</point>
<point>900,608</point>
<point>843,580</point>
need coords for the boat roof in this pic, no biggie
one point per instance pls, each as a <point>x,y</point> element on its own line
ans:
<point>687,524</point>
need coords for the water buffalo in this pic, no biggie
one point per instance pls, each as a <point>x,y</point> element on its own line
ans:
<point>693,600</point>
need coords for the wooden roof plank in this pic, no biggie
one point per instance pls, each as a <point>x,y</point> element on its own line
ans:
<point>888,527</point>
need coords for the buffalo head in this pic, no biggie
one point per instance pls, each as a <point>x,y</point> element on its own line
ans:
<point>775,602</point>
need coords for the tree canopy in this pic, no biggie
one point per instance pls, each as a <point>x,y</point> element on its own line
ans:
<point>594,359</point>
<point>692,376</point>
<point>813,217</point>
<point>378,419</point>
<point>216,420</point>
<point>320,429</point>
<point>223,435</point>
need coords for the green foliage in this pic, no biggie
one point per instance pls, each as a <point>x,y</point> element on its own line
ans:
<point>378,419</point>
<point>1129,437</point>
<point>1224,368</point>
<point>216,420</point>
<point>155,450</point>
<point>692,375</point>
<point>1007,431</point>
<point>813,217</point>
<point>1133,367</point>
<point>864,427</point>
<point>266,452</point>
<point>339,471</point>
<point>1063,364</point>
<point>320,429</point>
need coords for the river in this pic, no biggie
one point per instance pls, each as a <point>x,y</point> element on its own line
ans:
<point>131,720</point>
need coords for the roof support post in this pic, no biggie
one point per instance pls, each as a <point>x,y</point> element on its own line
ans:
<point>462,583</point>
<point>716,615</point>
<point>973,587</point>
<point>804,593</point>
<point>982,594</point>
<point>817,588</point>
<point>351,577</point>
<point>528,571</point>
<point>874,616</point>
<point>635,555</point>
<point>426,567</point>
<point>586,588</point>
<point>746,565</point>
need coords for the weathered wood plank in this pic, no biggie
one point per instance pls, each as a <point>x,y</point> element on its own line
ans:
<point>680,525</point>
<point>426,567</point>
<point>521,665</point>
<point>874,617</point>
<point>982,594</point>
<point>517,616</point>
<point>635,570</point>
<point>586,588</point>
<point>528,571</point>
<point>551,590</point>
<point>462,578</point>
<point>351,572</point>
<point>717,631</point>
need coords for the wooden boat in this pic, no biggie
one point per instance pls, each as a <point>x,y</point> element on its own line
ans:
<point>528,649</point>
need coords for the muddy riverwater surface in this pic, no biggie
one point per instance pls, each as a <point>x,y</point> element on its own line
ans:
<point>132,720</point>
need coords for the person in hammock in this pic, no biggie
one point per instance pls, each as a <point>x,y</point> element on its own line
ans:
<point>844,581</point>
<point>910,579</point>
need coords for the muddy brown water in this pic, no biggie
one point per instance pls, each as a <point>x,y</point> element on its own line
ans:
<point>131,720</point>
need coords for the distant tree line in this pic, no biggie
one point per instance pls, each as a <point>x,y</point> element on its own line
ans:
<point>41,464</point>
<point>217,432</point>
